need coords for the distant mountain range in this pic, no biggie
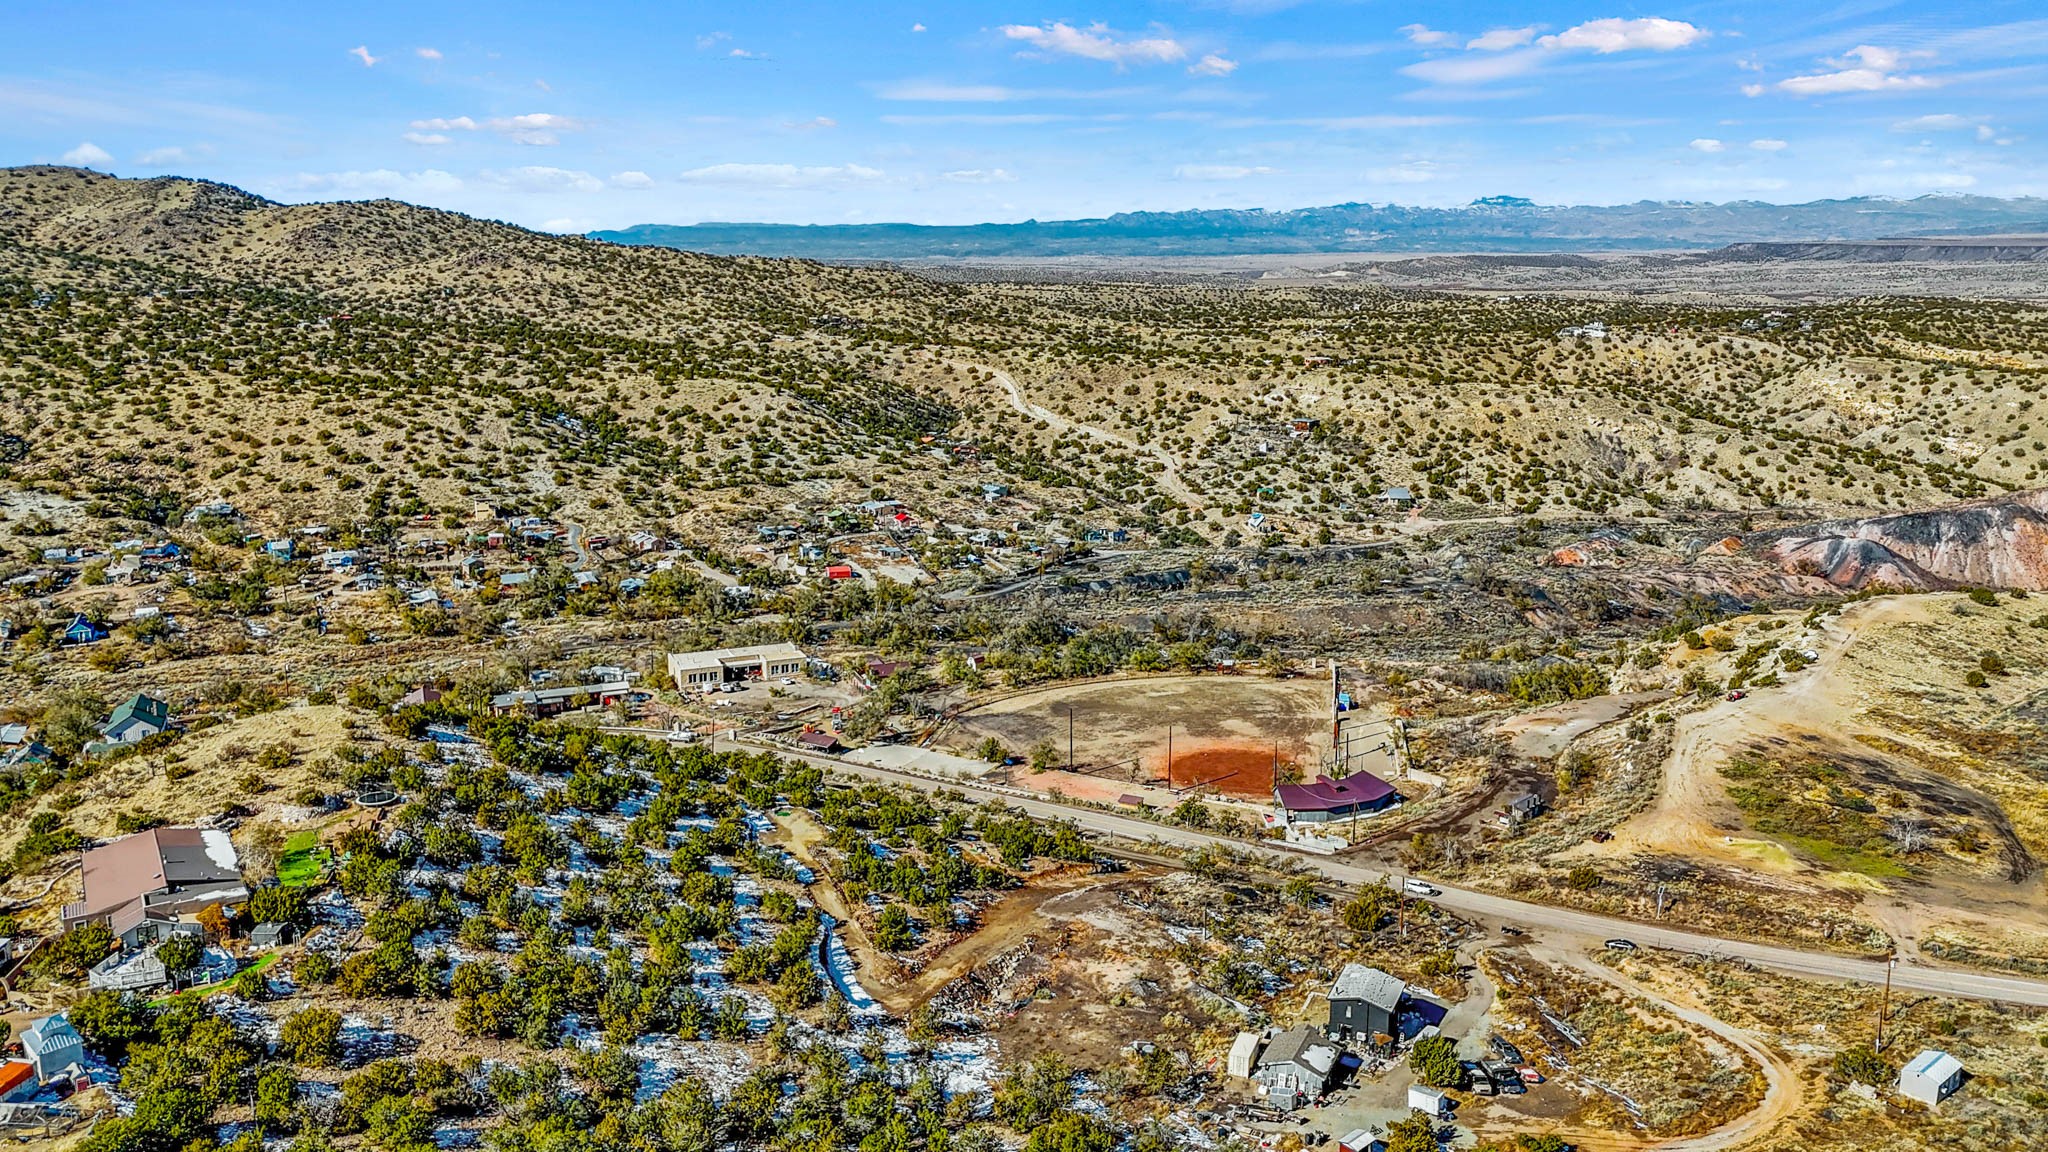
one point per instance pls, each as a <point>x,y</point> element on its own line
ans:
<point>1494,224</point>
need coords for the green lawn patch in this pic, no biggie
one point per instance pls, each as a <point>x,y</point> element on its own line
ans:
<point>304,860</point>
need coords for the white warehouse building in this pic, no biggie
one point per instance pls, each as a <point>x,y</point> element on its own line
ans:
<point>720,665</point>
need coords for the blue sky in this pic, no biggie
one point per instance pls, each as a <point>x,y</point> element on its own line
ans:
<point>594,115</point>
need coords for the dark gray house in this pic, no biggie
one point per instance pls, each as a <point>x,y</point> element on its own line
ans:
<point>272,933</point>
<point>1363,1003</point>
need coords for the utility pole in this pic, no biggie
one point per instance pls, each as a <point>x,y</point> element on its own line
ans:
<point>1169,757</point>
<point>1885,1006</point>
<point>1070,737</point>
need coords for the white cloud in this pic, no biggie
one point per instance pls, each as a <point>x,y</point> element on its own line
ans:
<point>362,52</point>
<point>1753,90</point>
<point>1411,172</point>
<point>567,226</point>
<point>743,54</point>
<point>634,180</point>
<point>980,176</point>
<point>917,27</point>
<point>814,124</point>
<point>1707,144</point>
<point>1501,39</point>
<point>378,182</point>
<point>783,175</point>
<point>1212,65</point>
<point>1768,145</point>
<point>710,40</point>
<point>1428,37</point>
<point>1510,52</point>
<point>1865,69</point>
<point>159,157</point>
<point>1219,171</point>
<point>1096,42</point>
<point>427,53</point>
<point>539,178</point>
<point>89,155</point>
<point>537,128</point>
<point>1614,34</point>
<point>1476,69</point>
<point>1937,122</point>
<point>428,139</point>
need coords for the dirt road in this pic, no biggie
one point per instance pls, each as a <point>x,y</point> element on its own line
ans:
<point>1169,468</point>
<point>1544,733</point>
<point>1692,805</point>
<point>1784,1092</point>
<point>1548,924</point>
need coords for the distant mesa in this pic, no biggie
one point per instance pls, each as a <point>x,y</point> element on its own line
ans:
<point>1870,227</point>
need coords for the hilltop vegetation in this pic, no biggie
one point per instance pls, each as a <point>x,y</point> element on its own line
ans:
<point>165,342</point>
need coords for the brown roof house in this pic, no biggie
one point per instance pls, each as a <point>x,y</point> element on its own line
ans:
<point>139,884</point>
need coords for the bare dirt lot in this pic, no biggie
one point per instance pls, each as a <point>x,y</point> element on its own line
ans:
<point>1227,731</point>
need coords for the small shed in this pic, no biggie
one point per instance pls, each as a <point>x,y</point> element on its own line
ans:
<point>1360,1140</point>
<point>1429,1101</point>
<point>1930,1077</point>
<point>17,1081</point>
<point>822,741</point>
<point>1244,1053</point>
<point>274,933</point>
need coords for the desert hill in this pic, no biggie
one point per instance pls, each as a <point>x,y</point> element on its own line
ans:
<point>169,342</point>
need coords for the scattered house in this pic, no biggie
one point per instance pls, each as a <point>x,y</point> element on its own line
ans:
<point>52,1045</point>
<point>218,510</point>
<point>137,925</point>
<point>1302,425</point>
<point>282,549</point>
<point>644,541</point>
<point>33,754</point>
<point>584,578</point>
<point>553,701</point>
<point>810,553</point>
<point>274,934</point>
<point>1327,799</point>
<point>419,697</point>
<point>341,559</point>
<point>83,631</point>
<point>138,718</point>
<point>880,670</point>
<point>1244,1053</point>
<point>1360,1140</point>
<point>515,579</point>
<point>1397,498</point>
<point>1521,808</point>
<point>129,971</point>
<point>1364,1003</point>
<point>141,879</point>
<point>18,1081</point>
<point>1296,1067</point>
<point>723,665</point>
<point>1428,1101</point>
<point>819,741</point>
<point>839,572</point>
<point>1256,522</point>
<point>1930,1077</point>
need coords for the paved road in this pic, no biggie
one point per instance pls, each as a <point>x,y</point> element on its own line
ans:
<point>1548,923</point>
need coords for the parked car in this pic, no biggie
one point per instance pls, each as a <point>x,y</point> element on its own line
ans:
<point>1618,944</point>
<point>1601,837</point>
<point>787,682</point>
<point>1506,1051</point>
<point>1738,694</point>
<point>1419,888</point>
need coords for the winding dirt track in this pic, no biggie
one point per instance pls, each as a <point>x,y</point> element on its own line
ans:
<point>1692,802</point>
<point>1784,1091</point>
<point>1169,474</point>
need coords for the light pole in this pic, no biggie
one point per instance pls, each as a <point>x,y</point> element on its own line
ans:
<point>1070,736</point>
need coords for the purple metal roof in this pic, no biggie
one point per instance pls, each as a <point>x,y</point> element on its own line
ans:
<point>1327,794</point>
